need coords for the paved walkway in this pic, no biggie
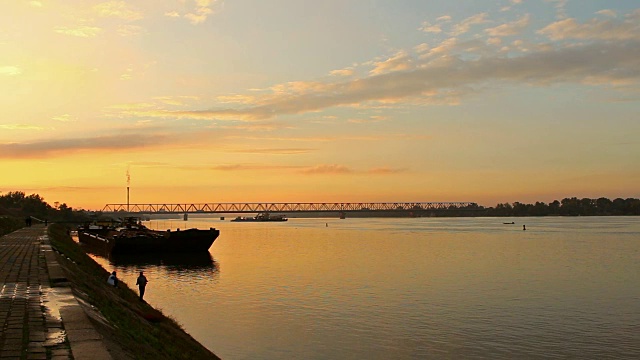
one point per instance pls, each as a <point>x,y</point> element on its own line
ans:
<point>30,313</point>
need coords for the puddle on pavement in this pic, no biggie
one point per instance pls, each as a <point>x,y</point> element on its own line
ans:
<point>53,299</point>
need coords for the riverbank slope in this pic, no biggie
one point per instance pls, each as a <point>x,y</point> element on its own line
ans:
<point>131,328</point>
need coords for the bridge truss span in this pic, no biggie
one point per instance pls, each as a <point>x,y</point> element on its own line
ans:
<point>283,207</point>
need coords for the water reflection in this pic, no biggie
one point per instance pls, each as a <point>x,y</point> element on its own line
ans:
<point>173,263</point>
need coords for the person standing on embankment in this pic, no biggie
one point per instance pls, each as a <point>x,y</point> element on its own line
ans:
<point>142,284</point>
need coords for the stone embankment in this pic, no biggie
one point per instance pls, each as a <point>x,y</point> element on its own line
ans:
<point>55,304</point>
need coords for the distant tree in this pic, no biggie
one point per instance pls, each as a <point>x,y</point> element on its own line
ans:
<point>19,204</point>
<point>603,206</point>
<point>554,208</point>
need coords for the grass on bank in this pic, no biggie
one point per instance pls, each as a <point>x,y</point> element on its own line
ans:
<point>10,224</point>
<point>140,330</point>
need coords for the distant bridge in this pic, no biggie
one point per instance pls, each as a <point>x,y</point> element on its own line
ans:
<point>258,207</point>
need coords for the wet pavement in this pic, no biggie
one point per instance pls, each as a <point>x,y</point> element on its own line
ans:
<point>30,308</point>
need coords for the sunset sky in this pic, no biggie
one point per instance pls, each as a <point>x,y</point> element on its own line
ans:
<point>319,101</point>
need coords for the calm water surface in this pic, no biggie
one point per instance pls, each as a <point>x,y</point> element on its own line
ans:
<point>405,288</point>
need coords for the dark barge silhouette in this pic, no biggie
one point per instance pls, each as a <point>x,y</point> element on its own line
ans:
<point>133,237</point>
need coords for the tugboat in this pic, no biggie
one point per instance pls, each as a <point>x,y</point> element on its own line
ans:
<point>265,216</point>
<point>133,237</point>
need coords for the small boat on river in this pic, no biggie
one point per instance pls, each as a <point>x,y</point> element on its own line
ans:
<point>262,217</point>
<point>133,237</point>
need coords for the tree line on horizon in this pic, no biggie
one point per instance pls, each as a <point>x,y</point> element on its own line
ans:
<point>568,207</point>
<point>18,204</point>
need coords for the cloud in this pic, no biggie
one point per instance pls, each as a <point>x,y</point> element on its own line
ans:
<point>117,9</point>
<point>561,8</point>
<point>80,31</point>
<point>282,138</point>
<point>448,72</point>
<point>510,29</point>
<point>171,100</point>
<point>130,30</point>
<point>148,164</point>
<point>607,12</point>
<point>422,48</point>
<point>400,61</point>
<point>10,70</point>
<point>20,127</point>
<point>464,26</point>
<point>327,169</point>
<point>371,119</point>
<point>512,3</point>
<point>308,170</point>
<point>237,99</point>
<point>444,76</point>
<point>595,29</point>
<point>256,126</point>
<point>429,28</point>
<point>282,151</point>
<point>58,147</point>
<point>245,167</point>
<point>342,72</point>
<point>435,28</point>
<point>386,171</point>
<point>62,118</point>
<point>196,11</point>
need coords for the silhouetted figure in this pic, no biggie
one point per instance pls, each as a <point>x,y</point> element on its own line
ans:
<point>524,227</point>
<point>113,279</point>
<point>46,222</point>
<point>142,284</point>
<point>27,221</point>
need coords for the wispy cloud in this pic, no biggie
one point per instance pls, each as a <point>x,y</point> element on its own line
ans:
<point>370,119</point>
<point>196,11</point>
<point>430,28</point>
<point>446,77</point>
<point>387,171</point>
<point>63,118</point>
<point>510,29</point>
<point>130,30</point>
<point>327,169</point>
<point>398,62</point>
<point>10,70</point>
<point>343,72</point>
<point>607,12</point>
<point>464,26</point>
<point>627,28</point>
<point>561,8</point>
<point>20,127</point>
<point>79,31</point>
<point>512,3</point>
<point>276,151</point>
<point>51,148</point>
<point>176,100</point>
<point>246,167</point>
<point>118,9</point>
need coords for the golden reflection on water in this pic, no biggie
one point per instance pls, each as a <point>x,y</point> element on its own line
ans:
<point>408,288</point>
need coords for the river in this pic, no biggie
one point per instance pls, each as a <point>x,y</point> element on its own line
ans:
<point>405,288</point>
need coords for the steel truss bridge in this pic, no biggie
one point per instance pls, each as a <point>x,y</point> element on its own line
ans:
<point>284,207</point>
